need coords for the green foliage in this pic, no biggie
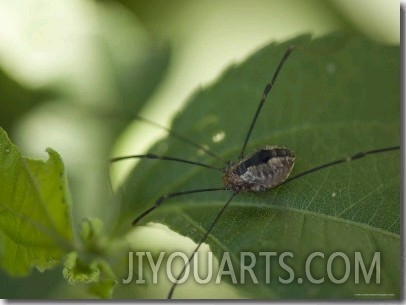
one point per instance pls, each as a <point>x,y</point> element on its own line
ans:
<point>34,210</point>
<point>335,96</point>
<point>97,274</point>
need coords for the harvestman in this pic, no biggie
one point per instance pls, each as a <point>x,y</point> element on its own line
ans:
<point>266,168</point>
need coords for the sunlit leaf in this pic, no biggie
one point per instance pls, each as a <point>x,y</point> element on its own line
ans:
<point>35,225</point>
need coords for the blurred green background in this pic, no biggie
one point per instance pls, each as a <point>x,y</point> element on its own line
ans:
<point>71,69</point>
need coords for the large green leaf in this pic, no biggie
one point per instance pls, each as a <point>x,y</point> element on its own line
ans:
<point>335,96</point>
<point>35,227</point>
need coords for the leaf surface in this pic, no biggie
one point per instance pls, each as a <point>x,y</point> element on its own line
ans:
<point>35,225</point>
<point>335,96</point>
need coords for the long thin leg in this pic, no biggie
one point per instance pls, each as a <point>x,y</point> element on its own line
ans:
<point>171,195</point>
<point>218,216</point>
<point>264,95</point>
<point>153,156</point>
<point>356,156</point>
<point>178,136</point>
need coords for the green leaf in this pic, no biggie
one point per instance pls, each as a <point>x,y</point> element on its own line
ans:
<point>335,96</point>
<point>76,271</point>
<point>35,228</point>
<point>96,273</point>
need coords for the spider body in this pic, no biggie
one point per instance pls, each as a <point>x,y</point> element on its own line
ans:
<point>262,170</point>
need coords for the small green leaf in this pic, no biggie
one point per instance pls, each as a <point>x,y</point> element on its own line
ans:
<point>94,239</point>
<point>91,230</point>
<point>97,273</point>
<point>35,228</point>
<point>335,96</point>
<point>77,271</point>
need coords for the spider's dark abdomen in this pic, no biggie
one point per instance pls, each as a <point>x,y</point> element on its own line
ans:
<point>260,171</point>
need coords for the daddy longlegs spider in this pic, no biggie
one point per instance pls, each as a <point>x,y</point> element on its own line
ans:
<point>264,169</point>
